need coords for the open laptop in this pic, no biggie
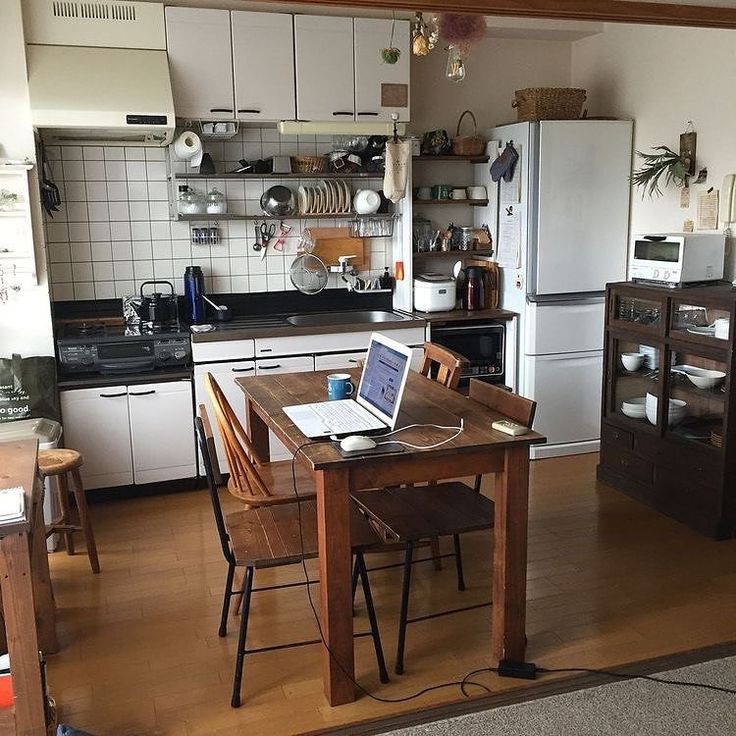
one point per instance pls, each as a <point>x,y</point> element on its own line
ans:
<point>376,403</point>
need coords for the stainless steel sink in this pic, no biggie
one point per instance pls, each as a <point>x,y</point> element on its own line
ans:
<point>321,319</point>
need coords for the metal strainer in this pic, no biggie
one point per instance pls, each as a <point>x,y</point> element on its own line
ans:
<point>309,274</point>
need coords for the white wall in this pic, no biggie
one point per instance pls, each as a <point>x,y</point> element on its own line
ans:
<point>663,77</point>
<point>25,321</point>
<point>494,69</point>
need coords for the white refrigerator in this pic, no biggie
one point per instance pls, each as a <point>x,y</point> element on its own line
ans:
<point>561,229</point>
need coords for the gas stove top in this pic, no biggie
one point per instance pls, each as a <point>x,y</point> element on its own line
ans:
<point>113,349</point>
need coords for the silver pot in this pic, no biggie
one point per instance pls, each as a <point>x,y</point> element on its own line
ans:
<point>278,201</point>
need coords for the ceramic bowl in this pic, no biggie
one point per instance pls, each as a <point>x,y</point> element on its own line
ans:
<point>634,408</point>
<point>701,377</point>
<point>632,361</point>
<point>366,201</point>
<point>677,410</point>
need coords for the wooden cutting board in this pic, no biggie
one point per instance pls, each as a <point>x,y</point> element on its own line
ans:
<point>332,242</point>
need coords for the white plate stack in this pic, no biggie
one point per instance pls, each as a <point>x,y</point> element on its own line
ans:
<point>325,198</point>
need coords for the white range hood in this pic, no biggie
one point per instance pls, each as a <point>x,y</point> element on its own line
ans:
<point>99,70</point>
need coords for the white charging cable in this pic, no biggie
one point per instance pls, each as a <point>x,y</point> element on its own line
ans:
<point>458,431</point>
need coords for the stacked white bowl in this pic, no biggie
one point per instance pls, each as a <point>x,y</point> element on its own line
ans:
<point>676,413</point>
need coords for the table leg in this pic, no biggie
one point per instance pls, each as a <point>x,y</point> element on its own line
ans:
<point>18,611</point>
<point>333,529</point>
<point>258,431</point>
<point>509,556</point>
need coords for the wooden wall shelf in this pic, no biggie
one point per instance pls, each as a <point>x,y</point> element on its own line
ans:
<point>453,159</point>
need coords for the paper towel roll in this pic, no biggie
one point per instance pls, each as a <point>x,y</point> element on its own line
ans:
<point>188,147</point>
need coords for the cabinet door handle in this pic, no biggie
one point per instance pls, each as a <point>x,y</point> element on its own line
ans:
<point>221,109</point>
<point>266,350</point>
<point>352,360</point>
<point>372,114</point>
<point>269,367</point>
<point>242,370</point>
<point>342,112</point>
<point>250,110</point>
<point>112,396</point>
<point>143,393</point>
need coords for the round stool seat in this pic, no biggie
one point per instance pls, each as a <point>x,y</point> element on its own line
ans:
<point>56,462</point>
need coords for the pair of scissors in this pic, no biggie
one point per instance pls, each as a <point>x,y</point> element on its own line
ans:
<point>267,232</point>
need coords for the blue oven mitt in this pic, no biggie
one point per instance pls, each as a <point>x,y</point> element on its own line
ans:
<point>504,165</point>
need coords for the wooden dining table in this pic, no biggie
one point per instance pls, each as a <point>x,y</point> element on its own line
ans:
<point>477,450</point>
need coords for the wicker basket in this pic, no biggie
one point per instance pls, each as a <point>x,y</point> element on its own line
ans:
<point>549,103</point>
<point>309,164</point>
<point>468,145</point>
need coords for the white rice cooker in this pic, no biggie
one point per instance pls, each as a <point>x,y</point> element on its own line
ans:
<point>434,292</point>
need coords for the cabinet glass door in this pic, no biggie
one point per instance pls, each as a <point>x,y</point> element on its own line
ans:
<point>634,310</point>
<point>697,398</point>
<point>698,321</point>
<point>636,381</point>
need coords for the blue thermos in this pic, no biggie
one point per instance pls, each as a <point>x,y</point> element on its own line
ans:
<point>193,291</point>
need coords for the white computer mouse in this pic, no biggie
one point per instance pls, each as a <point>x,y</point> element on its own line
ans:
<point>356,442</point>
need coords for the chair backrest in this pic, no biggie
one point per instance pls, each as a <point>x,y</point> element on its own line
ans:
<point>511,405</point>
<point>447,363</point>
<point>245,480</point>
<point>206,442</point>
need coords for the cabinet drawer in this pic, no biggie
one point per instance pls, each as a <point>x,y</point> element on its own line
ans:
<point>627,463</point>
<point>691,466</point>
<point>616,436</point>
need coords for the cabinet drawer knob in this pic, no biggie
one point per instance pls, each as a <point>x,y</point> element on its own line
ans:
<point>372,114</point>
<point>143,393</point>
<point>112,396</point>
<point>342,112</point>
<point>249,111</point>
<point>242,370</point>
<point>221,109</point>
<point>269,367</point>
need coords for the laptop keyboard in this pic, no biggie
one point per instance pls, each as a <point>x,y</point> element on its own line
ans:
<point>341,415</point>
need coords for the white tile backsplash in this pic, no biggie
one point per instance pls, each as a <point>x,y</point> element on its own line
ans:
<point>114,229</point>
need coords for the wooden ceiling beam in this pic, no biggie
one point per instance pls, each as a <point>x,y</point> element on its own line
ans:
<point>614,11</point>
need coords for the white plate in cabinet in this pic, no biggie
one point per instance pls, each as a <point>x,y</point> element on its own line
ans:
<point>263,65</point>
<point>225,374</point>
<point>269,367</point>
<point>324,68</point>
<point>371,72</point>
<point>96,425</point>
<point>200,61</point>
<point>161,431</point>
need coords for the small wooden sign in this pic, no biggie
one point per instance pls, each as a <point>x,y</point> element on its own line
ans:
<point>394,95</point>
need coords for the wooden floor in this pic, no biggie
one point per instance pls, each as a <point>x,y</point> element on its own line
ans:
<point>610,582</point>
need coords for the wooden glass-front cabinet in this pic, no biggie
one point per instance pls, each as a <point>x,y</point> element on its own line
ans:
<point>668,391</point>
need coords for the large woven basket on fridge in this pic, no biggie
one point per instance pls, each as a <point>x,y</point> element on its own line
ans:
<point>549,103</point>
<point>468,145</point>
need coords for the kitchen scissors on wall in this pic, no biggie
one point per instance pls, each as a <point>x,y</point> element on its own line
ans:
<point>264,233</point>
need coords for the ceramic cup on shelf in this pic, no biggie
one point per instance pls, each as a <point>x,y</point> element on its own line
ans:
<point>477,192</point>
<point>458,193</point>
<point>424,193</point>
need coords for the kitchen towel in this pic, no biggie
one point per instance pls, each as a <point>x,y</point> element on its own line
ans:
<point>188,147</point>
<point>395,176</point>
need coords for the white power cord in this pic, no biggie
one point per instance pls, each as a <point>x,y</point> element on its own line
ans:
<point>458,431</point>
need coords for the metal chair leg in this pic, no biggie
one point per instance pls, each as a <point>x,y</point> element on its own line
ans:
<point>240,659</point>
<point>226,599</point>
<point>459,562</point>
<point>375,633</point>
<point>406,583</point>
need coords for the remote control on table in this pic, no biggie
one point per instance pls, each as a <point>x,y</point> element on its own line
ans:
<point>509,427</point>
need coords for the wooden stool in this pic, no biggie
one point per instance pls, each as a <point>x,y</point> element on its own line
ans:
<point>58,463</point>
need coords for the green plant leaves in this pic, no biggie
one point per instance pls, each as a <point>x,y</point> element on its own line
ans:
<point>664,162</point>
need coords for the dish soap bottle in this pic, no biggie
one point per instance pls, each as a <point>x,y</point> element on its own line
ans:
<point>386,280</point>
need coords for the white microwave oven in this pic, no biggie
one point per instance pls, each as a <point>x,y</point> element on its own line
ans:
<point>676,259</point>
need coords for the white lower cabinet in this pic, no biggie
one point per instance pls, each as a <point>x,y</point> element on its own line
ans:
<point>161,431</point>
<point>271,366</point>
<point>344,361</point>
<point>131,434</point>
<point>96,425</point>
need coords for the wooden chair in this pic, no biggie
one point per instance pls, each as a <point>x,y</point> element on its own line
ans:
<point>274,536</point>
<point>58,463</point>
<point>248,477</point>
<point>409,515</point>
<point>517,408</point>
<point>443,365</point>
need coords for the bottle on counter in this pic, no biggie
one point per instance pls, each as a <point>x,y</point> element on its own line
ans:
<point>193,292</point>
<point>386,281</point>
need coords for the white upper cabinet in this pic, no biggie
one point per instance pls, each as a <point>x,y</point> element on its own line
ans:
<point>324,68</point>
<point>263,65</point>
<point>380,88</point>
<point>200,61</point>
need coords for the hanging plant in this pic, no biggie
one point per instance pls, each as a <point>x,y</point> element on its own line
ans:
<point>663,163</point>
<point>391,54</point>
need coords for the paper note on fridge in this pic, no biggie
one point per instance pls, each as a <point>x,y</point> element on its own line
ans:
<point>509,237</point>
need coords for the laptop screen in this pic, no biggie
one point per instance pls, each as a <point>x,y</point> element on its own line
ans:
<point>384,376</point>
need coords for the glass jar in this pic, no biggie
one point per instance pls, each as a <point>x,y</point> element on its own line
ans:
<point>216,203</point>
<point>190,202</point>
